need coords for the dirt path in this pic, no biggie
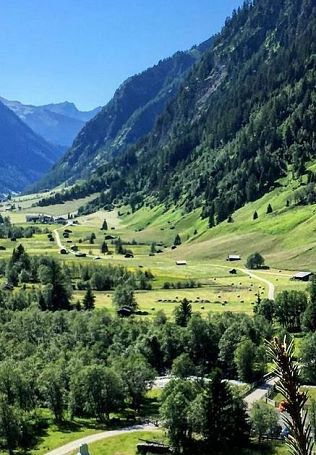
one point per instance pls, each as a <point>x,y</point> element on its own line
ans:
<point>74,445</point>
<point>271,287</point>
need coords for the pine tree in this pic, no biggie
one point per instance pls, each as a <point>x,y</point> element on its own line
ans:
<point>255,216</point>
<point>104,248</point>
<point>269,209</point>
<point>88,300</point>
<point>183,313</point>
<point>104,226</point>
<point>177,240</point>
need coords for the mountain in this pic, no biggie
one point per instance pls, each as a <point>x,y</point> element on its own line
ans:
<point>24,156</point>
<point>130,114</point>
<point>56,123</point>
<point>243,118</point>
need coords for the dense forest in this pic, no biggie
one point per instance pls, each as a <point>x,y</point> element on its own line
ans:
<point>243,118</point>
<point>79,361</point>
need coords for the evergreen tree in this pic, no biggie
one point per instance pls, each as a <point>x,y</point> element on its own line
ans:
<point>183,313</point>
<point>88,300</point>
<point>269,209</point>
<point>104,248</point>
<point>255,216</point>
<point>177,240</point>
<point>104,226</point>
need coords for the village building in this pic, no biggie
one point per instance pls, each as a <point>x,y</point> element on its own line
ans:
<point>233,257</point>
<point>302,276</point>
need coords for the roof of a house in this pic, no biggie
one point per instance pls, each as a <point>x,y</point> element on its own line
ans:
<point>182,262</point>
<point>302,274</point>
<point>234,256</point>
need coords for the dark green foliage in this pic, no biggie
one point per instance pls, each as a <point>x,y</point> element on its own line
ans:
<point>245,113</point>
<point>123,296</point>
<point>182,313</point>
<point>104,248</point>
<point>88,300</point>
<point>130,114</point>
<point>269,209</point>
<point>208,410</point>
<point>177,240</point>
<point>255,216</point>
<point>289,308</point>
<point>104,226</point>
<point>265,308</point>
<point>309,316</point>
<point>254,261</point>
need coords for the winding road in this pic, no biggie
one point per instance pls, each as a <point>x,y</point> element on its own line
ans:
<point>74,445</point>
<point>271,287</point>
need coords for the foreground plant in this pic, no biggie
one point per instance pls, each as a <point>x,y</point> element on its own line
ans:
<point>299,439</point>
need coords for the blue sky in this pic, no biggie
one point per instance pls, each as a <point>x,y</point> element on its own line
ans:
<point>81,50</point>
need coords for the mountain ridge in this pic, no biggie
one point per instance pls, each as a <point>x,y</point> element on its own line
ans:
<point>58,123</point>
<point>127,117</point>
<point>24,155</point>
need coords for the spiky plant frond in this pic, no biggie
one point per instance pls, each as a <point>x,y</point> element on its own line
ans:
<point>281,353</point>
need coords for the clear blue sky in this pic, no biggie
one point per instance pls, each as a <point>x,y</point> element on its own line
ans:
<point>81,50</point>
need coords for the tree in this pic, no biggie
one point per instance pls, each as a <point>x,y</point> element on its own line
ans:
<point>218,416</point>
<point>174,412</point>
<point>153,248</point>
<point>104,226</point>
<point>255,216</point>
<point>137,376</point>
<point>309,316</point>
<point>269,209</point>
<point>177,240</point>
<point>308,357</point>
<point>264,420</point>
<point>88,299</point>
<point>245,356</point>
<point>10,428</point>
<point>53,390</point>
<point>123,296</point>
<point>183,313</point>
<point>104,248</point>
<point>254,261</point>
<point>119,246</point>
<point>289,308</point>
<point>96,392</point>
<point>57,291</point>
<point>183,366</point>
<point>92,238</point>
<point>265,308</point>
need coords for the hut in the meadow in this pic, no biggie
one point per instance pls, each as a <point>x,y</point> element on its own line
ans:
<point>233,257</point>
<point>302,276</point>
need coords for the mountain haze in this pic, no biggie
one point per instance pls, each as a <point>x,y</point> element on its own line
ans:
<point>24,156</point>
<point>56,123</point>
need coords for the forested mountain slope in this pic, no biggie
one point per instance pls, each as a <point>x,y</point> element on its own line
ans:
<point>244,114</point>
<point>24,156</point>
<point>56,123</point>
<point>129,115</point>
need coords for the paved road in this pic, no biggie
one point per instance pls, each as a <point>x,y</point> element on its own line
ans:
<point>259,393</point>
<point>74,445</point>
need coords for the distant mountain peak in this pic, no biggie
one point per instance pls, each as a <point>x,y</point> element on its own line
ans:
<point>58,123</point>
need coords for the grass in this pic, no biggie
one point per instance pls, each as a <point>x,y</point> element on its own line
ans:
<point>124,444</point>
<point>56,436</point>
<point>311,392</point>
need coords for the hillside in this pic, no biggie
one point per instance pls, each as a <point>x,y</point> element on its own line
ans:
<point>244,114</point>
<point>56,123</point>
<point>24,156</point>
<point>130,114</point>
